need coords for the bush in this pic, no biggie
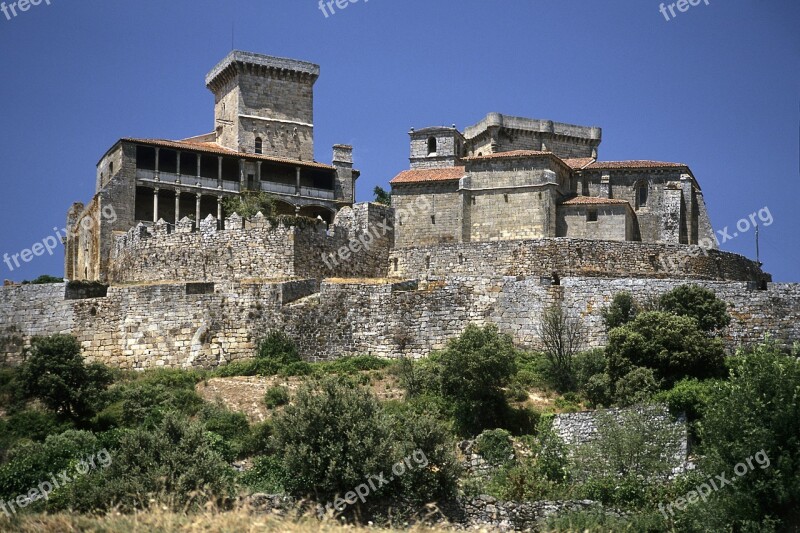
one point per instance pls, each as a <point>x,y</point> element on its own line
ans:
<point>267,475</point>
<point>495,446</point>
<point>278,347</point>
<point>257,441</point>
<point>175,465</point>
<point>29,424</point>
<point>562,336</point>
<point>54,372</point>
<point>34,462</point>
<point>672,346</point>
<point>474,368</point>
<point>622,310</point>
<point>698,303</point>
<point>145,403</point>
<point>597,390</point>
<point>332,438</point>
<point>276,396</point>
<point>232,427</point>
<point>755,410</point>
<point>46,279</point>
<point>689,396</point>
<point>637,386</point>
<point>587,364</point>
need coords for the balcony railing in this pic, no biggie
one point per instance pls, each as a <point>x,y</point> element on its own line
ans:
<point>282,188</point>
<point>186,180</point>
<point>316,193</point>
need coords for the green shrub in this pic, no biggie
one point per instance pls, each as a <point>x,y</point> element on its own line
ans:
<point>232,427</point>
<point>257,441</point>
<point>597,390</point>
<point>689,396</point>
<point>32,463</point>
<point>55,373</point>
<point>672,346</point>
<point>30,424</point>
<point>622,310</point>
<point>755,411</point>
<point>698,303</point>
<point>474,368</point>
<point>277,346</point>
<point>46,279</point>
<point>587,364</point>
<point>145,403</point>
<point>175,464</point>
<point>267,475</point>
<point>236,368</point>
<point>517,393</point>
<point>353,364</point>
<point>12,394</point>
<point>637,386</point>
<point>495,446</point>
<point>276,396</point>
<point>332,438</point>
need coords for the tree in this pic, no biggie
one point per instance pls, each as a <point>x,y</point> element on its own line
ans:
<point>249,203</point>
<point>55,373</point>
<point>382,197</point>
<point>622,310</point>
<point>756,410</point>
<point>332,439</point>
<point>672,346</point>
<point>474,368</point>
<point>699,303</point>
<point>562,337</point>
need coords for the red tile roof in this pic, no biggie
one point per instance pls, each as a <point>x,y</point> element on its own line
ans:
<point>429,174</point>
<point>594,200</point>
<point>608,165</point>
<point>211,147</point>
<point>577,163</point>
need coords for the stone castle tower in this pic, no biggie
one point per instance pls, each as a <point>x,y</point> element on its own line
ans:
<point>264,105</point>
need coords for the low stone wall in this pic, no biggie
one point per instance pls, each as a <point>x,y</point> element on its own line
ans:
<point>523,516</point>
<point>572,257</point>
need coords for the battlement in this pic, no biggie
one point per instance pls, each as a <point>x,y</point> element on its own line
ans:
<point>238,59</point>
<point>256,248</point>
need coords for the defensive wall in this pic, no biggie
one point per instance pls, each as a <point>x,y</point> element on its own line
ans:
<point>206,324</point>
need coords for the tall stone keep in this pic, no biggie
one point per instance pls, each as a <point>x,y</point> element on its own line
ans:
<point>264,105</point>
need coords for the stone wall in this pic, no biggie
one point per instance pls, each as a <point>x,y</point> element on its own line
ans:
<point>356,245</point>
<point>180,324</point>
<point>571,257</point>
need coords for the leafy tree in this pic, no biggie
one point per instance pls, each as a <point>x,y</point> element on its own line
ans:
<point>562,337</point>
<point>474,368</point>
<point>637,386</point>
<point>672,346</point>
<point>381,196</point>
<point>332,439</point>
<point>55,373</point>
<point>249,203</point>
<point>756,409</point>
<point>622,310</point>
<point>699,303</point>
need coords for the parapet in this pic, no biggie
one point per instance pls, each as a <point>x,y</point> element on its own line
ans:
<point>238,59</point>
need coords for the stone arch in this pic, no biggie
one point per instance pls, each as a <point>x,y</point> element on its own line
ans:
<point>284,208</point>
<point>313,211</point>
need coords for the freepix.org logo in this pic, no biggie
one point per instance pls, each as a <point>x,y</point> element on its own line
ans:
<point>12,9</point>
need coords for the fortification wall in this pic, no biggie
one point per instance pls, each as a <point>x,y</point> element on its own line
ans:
<point>30,310</point>
<point>207,324</point>
<point>572,257</point>
<point>356,245</point>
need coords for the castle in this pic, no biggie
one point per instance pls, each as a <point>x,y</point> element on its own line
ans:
<point>490,225</point>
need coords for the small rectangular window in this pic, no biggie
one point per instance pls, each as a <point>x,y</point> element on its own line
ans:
<point>591,215</point>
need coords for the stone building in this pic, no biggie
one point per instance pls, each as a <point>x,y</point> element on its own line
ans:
<point>509,178</point>
<point>263,140</point>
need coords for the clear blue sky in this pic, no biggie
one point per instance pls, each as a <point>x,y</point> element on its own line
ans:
<point>716,88</point>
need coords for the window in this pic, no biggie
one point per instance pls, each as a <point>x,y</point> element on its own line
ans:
<point>111,168</point>
<point>591,215</point>
<point>641,195</point>
<point>259,145</point>
<point>432,146</point>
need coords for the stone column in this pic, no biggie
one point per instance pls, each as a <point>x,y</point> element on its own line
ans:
<point>155,204</point>
<point>219,171</point>
<point>177,205</point>
<point>242,183</point>
<point>297,186</point>
<point>197,208</point>
<point>178,167</point>
<point>158,153</point>
<point>199,162</point>
<point>258,174</point>
<point>219,211</point>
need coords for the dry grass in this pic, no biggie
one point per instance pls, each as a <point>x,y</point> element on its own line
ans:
<point>162,521</point>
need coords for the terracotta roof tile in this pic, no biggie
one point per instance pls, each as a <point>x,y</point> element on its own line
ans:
<point>211,147</point>
<point>594,200</point>
<point>577,163</point>
<point>609,165</point>
<point>429,174</point>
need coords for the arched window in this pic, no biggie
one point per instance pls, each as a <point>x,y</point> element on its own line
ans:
<point>432,146</point>
<point>641,194</point>
<point>259,145</point>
